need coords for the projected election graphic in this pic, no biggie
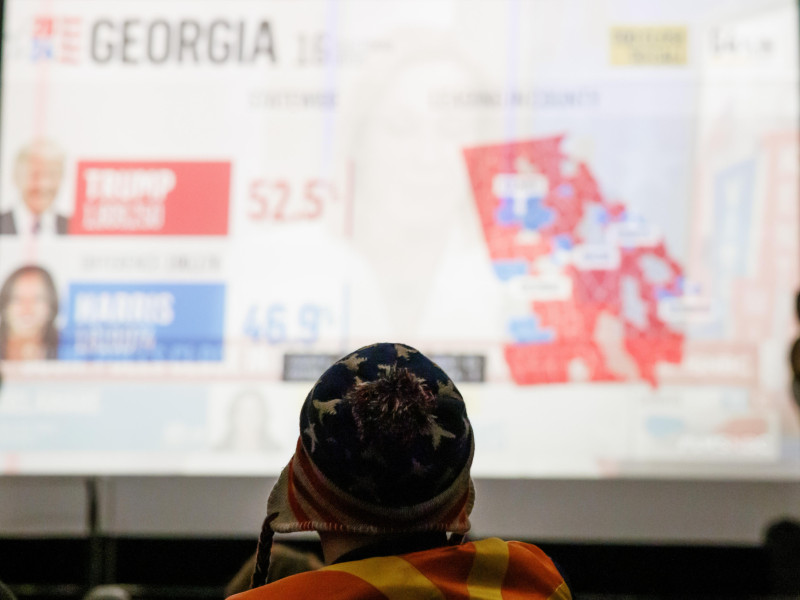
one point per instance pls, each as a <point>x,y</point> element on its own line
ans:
<point>144,322</point>
<point>150,198</point>
<point>593,275</point>
<point>586,212</point>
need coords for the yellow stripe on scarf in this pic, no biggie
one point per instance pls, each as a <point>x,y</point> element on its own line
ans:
<point>488,570</point>
<point>394,577</point>
<point>562,593</point>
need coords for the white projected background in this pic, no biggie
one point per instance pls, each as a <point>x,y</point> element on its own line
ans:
<point>587,212</point>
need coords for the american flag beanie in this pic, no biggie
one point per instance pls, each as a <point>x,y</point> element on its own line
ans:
<point>385,447</point>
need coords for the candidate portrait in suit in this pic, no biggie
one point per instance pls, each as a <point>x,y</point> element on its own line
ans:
<point>38,173</point>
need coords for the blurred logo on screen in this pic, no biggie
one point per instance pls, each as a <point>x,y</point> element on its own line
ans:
<point>640,45</point>
<point>56,39</point>
<point>132,41</point>
<point>740,45</point>
<point>151,198</point>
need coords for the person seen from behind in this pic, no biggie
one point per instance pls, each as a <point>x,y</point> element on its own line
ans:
<point>382,472</point>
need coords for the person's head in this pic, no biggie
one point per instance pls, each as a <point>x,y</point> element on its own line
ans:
<point>38,171</point>
<point>28,304</point>
<point>385,448</point>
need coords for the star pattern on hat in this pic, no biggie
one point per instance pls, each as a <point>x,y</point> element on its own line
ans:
<point>437,432</point>
<point>312,435</point>
<point>404,351</point>
<point>420,380</point>
<point>379,470</point>
<point>352,361</point>
<point>419,469</point>
<point>448,389</point>
<point>325,408</point>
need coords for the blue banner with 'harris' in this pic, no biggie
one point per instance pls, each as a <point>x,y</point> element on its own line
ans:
<point>144,321</point>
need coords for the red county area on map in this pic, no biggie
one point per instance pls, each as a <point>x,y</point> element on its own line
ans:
<point>542,212</point>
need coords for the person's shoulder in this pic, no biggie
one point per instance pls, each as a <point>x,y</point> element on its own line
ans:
<point>529,561</point>
<point>7,222</point>
<point>529,548</point>
<point>519,565</point>
<point>338,585</point>
<point>531,552</point>
<point>519,551</point>
<point>62,224</point>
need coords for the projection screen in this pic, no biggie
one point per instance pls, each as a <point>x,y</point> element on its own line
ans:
<point>586,212</point>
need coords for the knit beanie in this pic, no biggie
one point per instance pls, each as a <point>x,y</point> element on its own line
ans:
<point>385,447</point>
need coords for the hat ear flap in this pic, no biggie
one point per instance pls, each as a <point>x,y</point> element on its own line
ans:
<point>261,569</point>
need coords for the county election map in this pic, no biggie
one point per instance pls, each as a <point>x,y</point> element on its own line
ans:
<point>584,269</point>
